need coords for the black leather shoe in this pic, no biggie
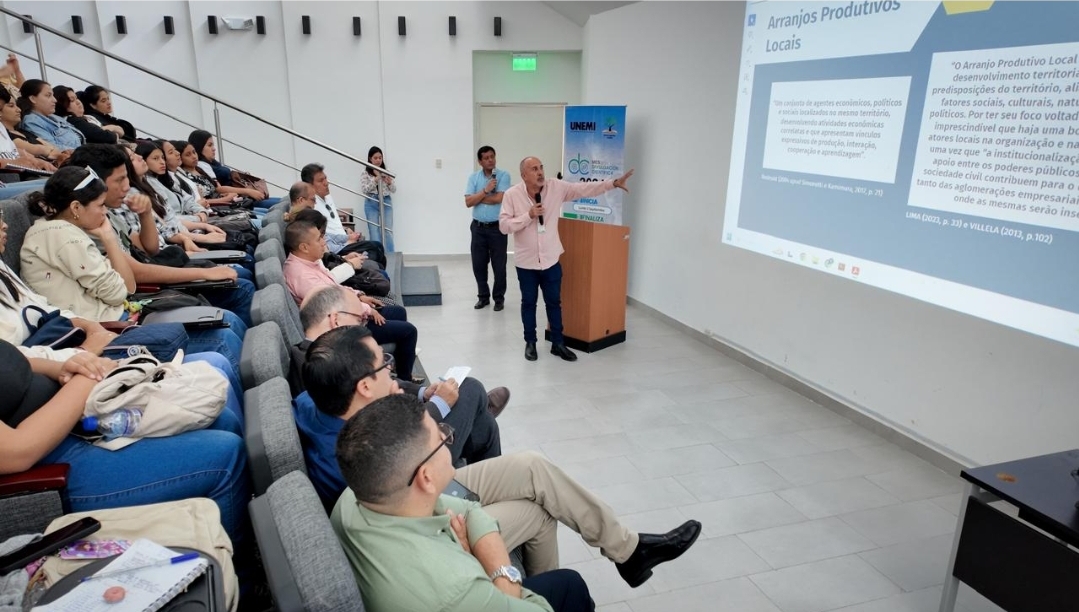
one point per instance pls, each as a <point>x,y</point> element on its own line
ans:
<point>499,306</point>
<point>482,304</point>
<point>530,351</point>
<point>653,549</point>
<point>563,352</point>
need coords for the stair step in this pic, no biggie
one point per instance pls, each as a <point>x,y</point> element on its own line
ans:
<point>420,286</point>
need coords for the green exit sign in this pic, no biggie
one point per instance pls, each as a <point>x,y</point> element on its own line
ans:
<point>524,62</point>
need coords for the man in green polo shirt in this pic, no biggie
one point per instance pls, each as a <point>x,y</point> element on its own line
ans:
<point>412,548</point>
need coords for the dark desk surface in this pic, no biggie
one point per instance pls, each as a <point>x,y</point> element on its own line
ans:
<point>1041,487</point>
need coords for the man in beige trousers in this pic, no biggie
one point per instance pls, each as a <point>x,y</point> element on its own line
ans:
<point>524,492</point>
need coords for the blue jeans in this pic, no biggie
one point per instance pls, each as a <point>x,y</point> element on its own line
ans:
<point>370,210</point>
<point>550,282</point>
<point>403,334</point>
<point>10,190</point>
<point>208,462</point>
<point>237,300</point>
<point>226,342</point>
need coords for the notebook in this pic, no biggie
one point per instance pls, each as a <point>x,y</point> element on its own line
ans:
<point>457,373</point>
<point>148,589</point>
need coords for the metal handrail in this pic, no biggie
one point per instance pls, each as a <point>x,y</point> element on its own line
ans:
<point>183,122</point>
<point>113,56</point>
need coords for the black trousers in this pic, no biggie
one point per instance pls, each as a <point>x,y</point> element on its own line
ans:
<point>489,246</point>
<point>564,589</point>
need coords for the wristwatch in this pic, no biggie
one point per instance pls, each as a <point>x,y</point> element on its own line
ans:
<point>508,572</point>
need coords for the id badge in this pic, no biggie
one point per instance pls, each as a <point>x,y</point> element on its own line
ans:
<point>542,228</point>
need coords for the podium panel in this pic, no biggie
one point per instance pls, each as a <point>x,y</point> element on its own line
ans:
<point>595,280</point>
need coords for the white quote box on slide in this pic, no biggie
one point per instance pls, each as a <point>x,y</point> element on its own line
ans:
<point>849,128</point>
<point>1000,136</point>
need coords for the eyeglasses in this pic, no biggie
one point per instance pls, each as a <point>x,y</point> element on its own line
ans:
<point>387,361</point>
<point>91,176</point>
<point>447,439</point>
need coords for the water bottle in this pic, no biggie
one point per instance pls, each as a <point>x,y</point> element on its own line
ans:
<point>118,424</point>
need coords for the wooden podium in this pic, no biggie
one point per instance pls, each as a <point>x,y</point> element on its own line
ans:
<point>594,284</point>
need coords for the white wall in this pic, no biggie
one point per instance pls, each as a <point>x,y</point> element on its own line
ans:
<point>977,391</point>
<point>412,95</point>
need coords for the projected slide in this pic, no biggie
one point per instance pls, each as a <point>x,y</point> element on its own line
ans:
<point>926,148</point>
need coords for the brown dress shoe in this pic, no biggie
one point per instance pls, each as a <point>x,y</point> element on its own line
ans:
<point>497,399</point>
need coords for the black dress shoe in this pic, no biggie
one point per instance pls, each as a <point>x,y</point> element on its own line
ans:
<point>530,351</point>
<point>482,304</point>
<point>653,549</point>
<point>563,352</point>
<point>499,306</point>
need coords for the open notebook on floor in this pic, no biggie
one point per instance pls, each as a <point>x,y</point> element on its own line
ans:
<point>147,589</point>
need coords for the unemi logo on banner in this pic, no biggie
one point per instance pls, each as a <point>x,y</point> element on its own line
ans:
<point>582,126</point>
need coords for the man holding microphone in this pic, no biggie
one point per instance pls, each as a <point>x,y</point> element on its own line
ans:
<point>484,197</point>
<point>530,211</point>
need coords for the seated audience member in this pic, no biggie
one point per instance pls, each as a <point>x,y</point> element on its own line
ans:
<point>20,151</point>
<point>206,150</point>
<point>39,116</point>
<point>399,532</point>
<point>169,211</point>
<point>337,238</point>
<point>301,197</point>
<point>98,104</point>
<point>330,259</point>
<point>180,197</point>
<point>43,401</point>
<point>336,388</point>
<point>70,108</point>
<point>305,272</point>
<point>206,197</point>
<point>128,214</point>
<point>391,455</point>
<point>207,184</point>
<point>62,263</point>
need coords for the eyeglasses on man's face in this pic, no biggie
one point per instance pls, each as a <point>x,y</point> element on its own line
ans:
<point>447,439</point>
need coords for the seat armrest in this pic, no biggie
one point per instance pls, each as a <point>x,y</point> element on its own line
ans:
<point>41,478</point>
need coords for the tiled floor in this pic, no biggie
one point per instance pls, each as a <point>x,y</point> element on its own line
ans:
<point>803,511</point>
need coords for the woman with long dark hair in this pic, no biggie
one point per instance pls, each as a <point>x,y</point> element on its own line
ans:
<point>98,104</point>
<point>70,108</point>
<point>372,182</point>
<point>38,106</point>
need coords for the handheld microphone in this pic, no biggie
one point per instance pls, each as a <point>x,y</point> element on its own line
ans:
<point>537,202</point>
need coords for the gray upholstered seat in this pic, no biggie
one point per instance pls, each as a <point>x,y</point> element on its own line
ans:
<point>265,355</point>
<point>270,435</point>
<point>268,271</point>
<point>305,566</point>
<point>270,249</point>
<point>271,231</point>
<point>273,303</point>
<point>18,220</point>
<point>276,216</point>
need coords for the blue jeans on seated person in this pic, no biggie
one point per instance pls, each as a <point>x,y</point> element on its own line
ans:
<point>226,342</point>
<point>10,190</point>
<point>208,462</point>
<point>238,300</point>
<point>244,270</point>
<point>550,281</point>
<point>370,211</point>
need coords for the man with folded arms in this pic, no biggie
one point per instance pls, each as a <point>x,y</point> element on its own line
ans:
<point>524,492</point>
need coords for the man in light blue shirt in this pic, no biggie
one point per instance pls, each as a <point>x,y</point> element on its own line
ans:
<point>484,196</point>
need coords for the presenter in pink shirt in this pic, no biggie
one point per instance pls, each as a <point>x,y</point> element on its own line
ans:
<point>537,247</point>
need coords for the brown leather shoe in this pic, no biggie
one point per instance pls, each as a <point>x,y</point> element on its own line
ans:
<point>497,399</point>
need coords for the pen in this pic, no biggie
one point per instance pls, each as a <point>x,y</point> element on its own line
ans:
<point>170,561</point>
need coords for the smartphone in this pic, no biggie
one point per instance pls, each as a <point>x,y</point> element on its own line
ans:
<point>459,490</point>
<point>48,544</point>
